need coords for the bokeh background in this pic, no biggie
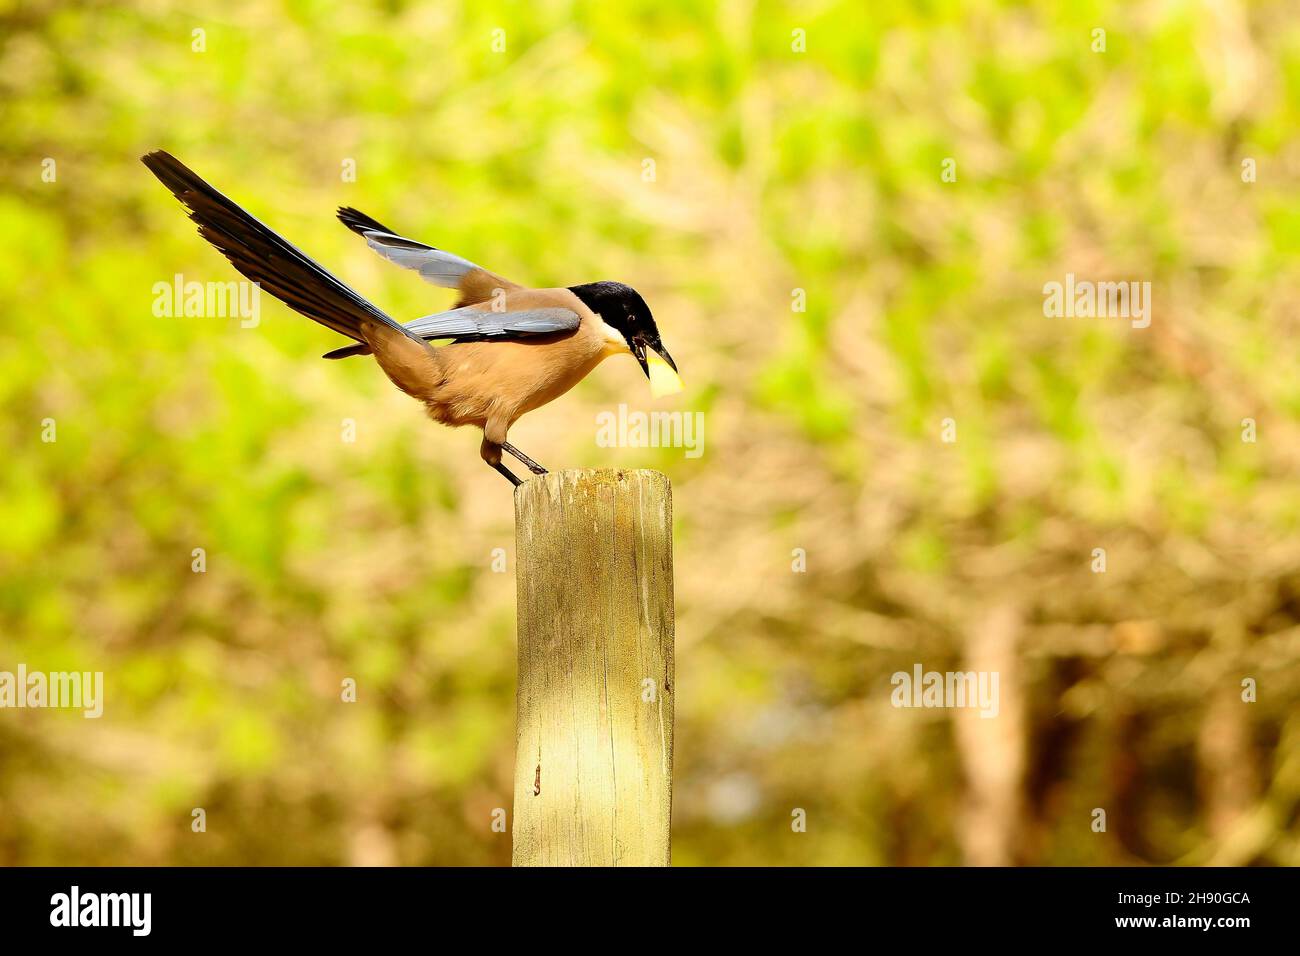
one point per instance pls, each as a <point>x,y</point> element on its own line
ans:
<point>774,170</point>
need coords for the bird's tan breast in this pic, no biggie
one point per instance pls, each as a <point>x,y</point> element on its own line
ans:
<point>486,381</point>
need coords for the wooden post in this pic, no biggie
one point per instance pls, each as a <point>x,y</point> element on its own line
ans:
<point>594,738</point>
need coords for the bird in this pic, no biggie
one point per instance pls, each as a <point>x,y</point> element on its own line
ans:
<point>509,349</point>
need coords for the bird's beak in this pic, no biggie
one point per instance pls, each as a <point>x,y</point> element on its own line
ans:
<point>658,366</point>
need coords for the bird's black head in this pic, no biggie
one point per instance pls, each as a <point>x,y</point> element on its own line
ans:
<point>623,310</point>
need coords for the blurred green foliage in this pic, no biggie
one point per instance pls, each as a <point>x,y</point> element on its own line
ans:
<point>775,170</point>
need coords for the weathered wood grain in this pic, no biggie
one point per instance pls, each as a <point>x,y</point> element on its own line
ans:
<point>594,738</point>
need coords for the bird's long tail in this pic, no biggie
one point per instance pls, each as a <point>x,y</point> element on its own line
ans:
<point>266,258</point>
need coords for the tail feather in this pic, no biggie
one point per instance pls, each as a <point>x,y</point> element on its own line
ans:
<point>348,351</point>
<point>266,258</point>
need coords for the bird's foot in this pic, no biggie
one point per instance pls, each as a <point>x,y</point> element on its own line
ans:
<point>531,465</point>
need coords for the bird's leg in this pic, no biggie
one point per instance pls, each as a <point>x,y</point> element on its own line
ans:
<point>507,472</point>
<point>535,468</point>
<point>491,452</point>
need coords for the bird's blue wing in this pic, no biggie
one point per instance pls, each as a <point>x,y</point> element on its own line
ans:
<point>479,325</point>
